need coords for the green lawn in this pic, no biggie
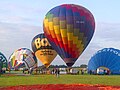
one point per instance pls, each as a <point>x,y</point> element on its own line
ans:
<point>113,80</point>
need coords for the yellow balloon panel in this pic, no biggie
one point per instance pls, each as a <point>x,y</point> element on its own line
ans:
<point>46,56</point>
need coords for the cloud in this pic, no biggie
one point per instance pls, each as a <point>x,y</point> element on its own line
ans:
<point>21,13</point>
<point>14,36</point>
<point>107,35</point>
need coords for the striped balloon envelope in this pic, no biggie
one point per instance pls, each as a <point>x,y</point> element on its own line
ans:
<point>107,58</point>
<point>69,29</point>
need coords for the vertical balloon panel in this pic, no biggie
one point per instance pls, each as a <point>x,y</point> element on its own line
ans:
<point>69,29</point>
<point>43,50</point>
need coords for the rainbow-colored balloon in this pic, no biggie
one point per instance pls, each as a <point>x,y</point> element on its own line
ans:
<point>69,29</point>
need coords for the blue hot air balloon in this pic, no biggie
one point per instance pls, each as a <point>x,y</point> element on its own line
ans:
<point>106,58</point>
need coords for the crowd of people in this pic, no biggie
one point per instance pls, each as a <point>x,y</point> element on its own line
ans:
<point>55,71</point>
<point>58,71</point>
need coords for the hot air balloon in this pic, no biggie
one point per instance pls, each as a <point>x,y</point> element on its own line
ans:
<point>22,57</point>
<point>69,29</point>
<point>3,61</point>
<point>105,59</point>
<point>43,50</point>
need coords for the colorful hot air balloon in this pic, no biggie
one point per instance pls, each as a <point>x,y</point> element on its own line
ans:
<point>22,57</point>
<point>3,61</point>
<point>69,29</point>
<point>108,58</point>
<point>43,50</point>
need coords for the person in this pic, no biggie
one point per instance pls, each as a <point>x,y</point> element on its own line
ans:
<point>53,71</point>
<point>82,72</point>
<point>57,72</point>
<point>90,72</point>
<point>39,70</point>
<point>108,72</point>
<point>30,70</point>
<point>9,70</point>
<point>0,70</point>
<point>36,71</point>
<point>23,71</point>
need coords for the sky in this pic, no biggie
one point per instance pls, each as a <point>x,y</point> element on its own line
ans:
<point>21,20</point>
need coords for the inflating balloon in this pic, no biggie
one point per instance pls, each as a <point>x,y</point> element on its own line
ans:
<point>69,29</point>
<point>43,50</point>
<point>107,57</point>
<point>22,57</point>
<point>3,61</point>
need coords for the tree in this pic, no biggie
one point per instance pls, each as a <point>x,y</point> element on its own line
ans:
<point>83,66</point>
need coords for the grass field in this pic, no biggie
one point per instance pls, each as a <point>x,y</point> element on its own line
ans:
<point>113,80</point>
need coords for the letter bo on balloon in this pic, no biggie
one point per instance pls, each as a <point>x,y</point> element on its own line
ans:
<point>43,45</point>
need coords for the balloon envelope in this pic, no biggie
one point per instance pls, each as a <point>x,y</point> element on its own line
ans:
<point>69,29</point>
<point>3,61</point>
<point>107,57</point>
<point>22,57</point>
<point>43,50</point>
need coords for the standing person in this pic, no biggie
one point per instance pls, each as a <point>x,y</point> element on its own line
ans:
<point>53,70</point>
<point>36,71</point>
<point>90,72</point>
<point>57,72</point>
<point>82,72</point>
<point>39,70</point>
<point>28,71</point>
<point>31,70</point>
<point>23,71</point>
<point>0,70</point>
